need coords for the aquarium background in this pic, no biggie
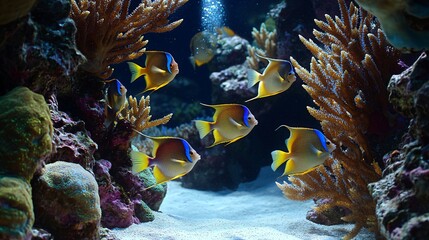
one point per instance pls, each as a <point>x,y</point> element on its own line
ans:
<point>192,86</point>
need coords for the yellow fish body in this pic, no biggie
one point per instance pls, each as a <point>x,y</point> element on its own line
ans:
<point>230,123</point>
<point>203,48</point>
<point>115,97</point>
<point>307,148</point>
<point>225,31</point>
<point>277,77</point>
<point>172,158</point>
<point>160,69</point>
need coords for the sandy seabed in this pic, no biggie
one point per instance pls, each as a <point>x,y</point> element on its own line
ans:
<point>255,211</point>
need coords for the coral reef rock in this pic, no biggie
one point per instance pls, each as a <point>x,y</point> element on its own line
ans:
<point>66,201</point>
<point>71,140</point>
<point>12,10</point>
<point>16,208</point>
<point>230,51</point>
<point>117,211</point>
<point>405,22</point>
<point>231,84</point>
<point>26,123</point>
<point>402,209</point>
<point>39,52</point>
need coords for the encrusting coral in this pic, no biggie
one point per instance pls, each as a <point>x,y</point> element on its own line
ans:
<point>66,201</point>
<point>348,83</point>
<point>108,34</point>
<point>27,126</point>
<point>26,135</point>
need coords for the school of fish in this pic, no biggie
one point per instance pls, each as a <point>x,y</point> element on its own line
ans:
<point>174,157</point>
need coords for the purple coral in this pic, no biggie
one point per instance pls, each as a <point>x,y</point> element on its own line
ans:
<point>71,140</point>
<point>116,212</point>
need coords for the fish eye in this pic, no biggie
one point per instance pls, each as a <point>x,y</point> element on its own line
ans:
<point>328,143</point>
<point>191,153</point>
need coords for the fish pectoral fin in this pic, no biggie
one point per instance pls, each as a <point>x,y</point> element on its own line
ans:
<point>316,151</point>
<point>156,69</point>
<point>181,162</point>
<point>235,123</point>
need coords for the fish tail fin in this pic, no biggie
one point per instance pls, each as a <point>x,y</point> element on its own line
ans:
<point>140,161</point>
<point>203,127</point>
<point>253,77</point>
<point>136,71</point>
<point>279,157</point>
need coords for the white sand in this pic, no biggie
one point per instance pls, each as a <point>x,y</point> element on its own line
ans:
<point>256,211</point>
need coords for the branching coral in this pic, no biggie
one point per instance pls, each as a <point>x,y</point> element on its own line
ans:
<point>265,45</point>
<point>108,34</point>
<point>138,114</point>
<point>348,84</point>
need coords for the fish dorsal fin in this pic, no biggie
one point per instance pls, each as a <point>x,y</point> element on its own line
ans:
<point>156,69</point>
<point>157,141</point>
<point>181,162</point>
<point>235,123</point>
<point>273,64</point>
<point>293,136</point>
<point>218,109</point>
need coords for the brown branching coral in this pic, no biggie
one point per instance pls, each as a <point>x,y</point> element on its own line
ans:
<point>138,114</point>
<point>109,34</point>
<point>265,45</point>
<point>348,84</point>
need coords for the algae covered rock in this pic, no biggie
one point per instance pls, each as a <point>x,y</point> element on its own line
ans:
<point>16,208</point>
<point>402,195</point>
<point>25,133</point>
<point>66,201</point>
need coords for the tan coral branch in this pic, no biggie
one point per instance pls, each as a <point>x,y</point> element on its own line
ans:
<point>109,33</point>
<point>138,114</point>
<point>347,81</point>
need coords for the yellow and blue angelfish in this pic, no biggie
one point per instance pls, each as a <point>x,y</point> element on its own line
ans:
<point>277,77</point>
<point>225,32</point>
<point>160,69</point>
<point>172,158</point>
<point>230,123</point>
<point>308,148</point>
<point>115,97</point>
<point>203,48</point>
